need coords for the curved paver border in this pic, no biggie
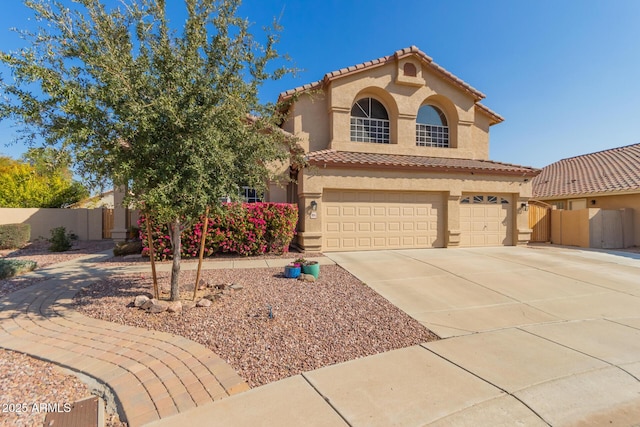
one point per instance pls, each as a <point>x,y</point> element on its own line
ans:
<point>151,374</point>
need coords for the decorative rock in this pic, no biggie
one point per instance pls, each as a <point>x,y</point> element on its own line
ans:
<point>237,287</point>
<point>174,307</point>
<point>158,306</point>
<point>213,297</point>
<point>188,305</point>
<point>147,304</point>
<point>204,303</point>
<point>139,300</point>
<point>307,277</point>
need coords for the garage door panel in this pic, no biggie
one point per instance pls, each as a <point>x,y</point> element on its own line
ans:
<point>348,227</point>
<point>382,220</point>
<point>333,211</point>
<point>333,227</point>
<point>364,211</point>
<point>393,226</point>
<point>348,211</point>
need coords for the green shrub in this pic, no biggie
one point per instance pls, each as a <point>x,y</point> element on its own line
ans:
<point>60,240</point>
<point>14,236</point>
<point>128,248</point>
<point>13,267</point>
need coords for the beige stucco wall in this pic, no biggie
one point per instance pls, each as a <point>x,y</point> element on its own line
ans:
<point>617,201</point>
<point>570,228</point>
<point>593,228</point>
<point>323,121</point>
<point>451,186</point>
<point>86,223</point>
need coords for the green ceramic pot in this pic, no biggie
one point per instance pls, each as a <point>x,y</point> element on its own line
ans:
<point>312,267</point>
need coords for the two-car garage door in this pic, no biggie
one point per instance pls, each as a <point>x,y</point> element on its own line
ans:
<point>366,220</point>
<point>369,220</point>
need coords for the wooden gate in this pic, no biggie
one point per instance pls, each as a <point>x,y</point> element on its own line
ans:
<point>540,221</point>
<point>107,222</point>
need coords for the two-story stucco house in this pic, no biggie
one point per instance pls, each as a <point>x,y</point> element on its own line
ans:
<point>398,153</point>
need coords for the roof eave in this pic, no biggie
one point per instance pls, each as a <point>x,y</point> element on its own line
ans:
<point>431,168</point>
<point>590,194</point>
<point>375,63</point>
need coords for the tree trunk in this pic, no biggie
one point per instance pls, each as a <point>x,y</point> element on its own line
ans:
<point>176,242</point>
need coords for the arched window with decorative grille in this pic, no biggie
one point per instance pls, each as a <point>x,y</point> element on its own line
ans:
<point>431,127</point>
<point>369,121</point>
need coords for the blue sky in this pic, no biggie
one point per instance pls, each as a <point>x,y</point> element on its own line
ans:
<point>565,74</point>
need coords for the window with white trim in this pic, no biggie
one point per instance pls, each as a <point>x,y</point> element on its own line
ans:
<point>431,127</point>
<point>369,121</point>
<point>250,195</point>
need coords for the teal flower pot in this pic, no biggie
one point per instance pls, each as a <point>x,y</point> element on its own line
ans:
<point>312,268</point>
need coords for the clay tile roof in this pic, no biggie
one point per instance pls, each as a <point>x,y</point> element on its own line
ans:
<point>495,117</point>
<point>608,171</point>
<point>431,164</point>
<point>412,50</point>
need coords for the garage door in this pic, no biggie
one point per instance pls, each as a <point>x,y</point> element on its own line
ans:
<point>369,220</point>
<point>485,220</point>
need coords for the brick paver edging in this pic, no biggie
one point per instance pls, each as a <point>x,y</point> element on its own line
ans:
<point>151,374</point>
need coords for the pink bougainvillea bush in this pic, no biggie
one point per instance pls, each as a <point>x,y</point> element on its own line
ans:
<point>240,228</point>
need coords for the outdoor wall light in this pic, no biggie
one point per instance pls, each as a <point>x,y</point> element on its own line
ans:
<point>524,207</point>
<point>314,205</point>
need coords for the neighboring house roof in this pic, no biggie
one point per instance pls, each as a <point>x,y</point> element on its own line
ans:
<point>402,53</point>
<point>431,164</point>
<point>609,171</point>
<point>101,200</point>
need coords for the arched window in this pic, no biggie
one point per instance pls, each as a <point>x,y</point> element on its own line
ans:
<point>431,127</point>
<point>369,121</point>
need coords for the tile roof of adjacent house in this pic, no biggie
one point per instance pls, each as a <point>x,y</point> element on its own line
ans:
<point>433,164</point>
<point>402,53</point>
<point>609,171</point>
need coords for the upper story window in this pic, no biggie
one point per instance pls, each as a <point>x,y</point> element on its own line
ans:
<point>369,121</point>
<point>431,127</point>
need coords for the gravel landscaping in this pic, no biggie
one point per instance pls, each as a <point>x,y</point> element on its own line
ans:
<point>271,329</point>
<point>27,383</point>
<point>313,324</point>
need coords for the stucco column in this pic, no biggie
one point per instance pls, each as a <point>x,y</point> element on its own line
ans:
<point>453,220</point>
<point>523,232</point>
<point>310,235</point>
<point>119,230</point>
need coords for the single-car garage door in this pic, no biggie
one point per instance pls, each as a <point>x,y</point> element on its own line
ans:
<point>369,220</point>
<point>485,220</point>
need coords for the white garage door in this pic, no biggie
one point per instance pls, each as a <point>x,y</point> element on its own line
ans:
<point>485,220</point>
<point>369,220</point>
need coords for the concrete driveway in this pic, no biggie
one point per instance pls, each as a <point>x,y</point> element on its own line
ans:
<point>558,329</point>
<point>532,336</point>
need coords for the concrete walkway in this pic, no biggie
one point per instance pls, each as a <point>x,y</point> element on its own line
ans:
<point>534,336</point>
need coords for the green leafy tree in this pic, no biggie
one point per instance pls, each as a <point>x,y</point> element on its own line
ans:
<point>23,185</point>
<point>174,115</point>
